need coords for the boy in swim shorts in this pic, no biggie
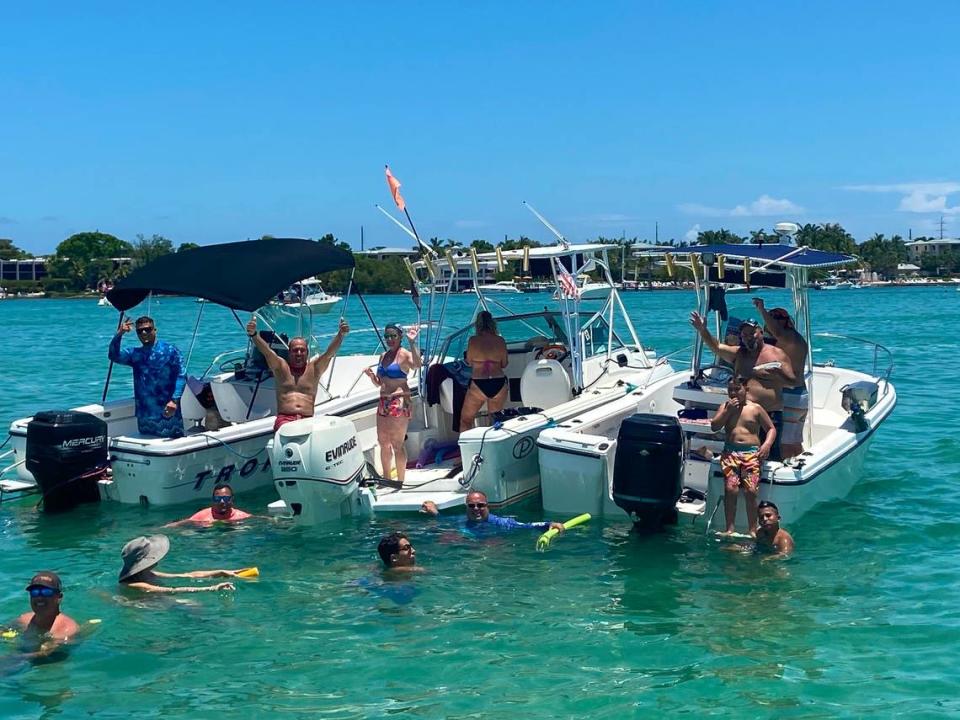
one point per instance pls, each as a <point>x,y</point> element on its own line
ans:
<point>743,453</point>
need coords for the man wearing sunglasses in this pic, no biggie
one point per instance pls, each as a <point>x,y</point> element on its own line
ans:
<point>296,379</point>
<point>478,513</point>
<point>158,378</point>
<point>221,509</point>
<point>397,553</point>
<point>45,624</point>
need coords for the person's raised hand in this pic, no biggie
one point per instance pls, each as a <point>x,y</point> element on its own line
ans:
<point>344,327</point>
<point>126,327</point>
<point>429,507</point>
<point>252,327</point>
<point>412,332</point>
<point>698,321</point>
<point>758,304</point>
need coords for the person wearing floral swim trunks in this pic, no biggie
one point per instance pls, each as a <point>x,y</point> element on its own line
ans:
<point>743,452</point>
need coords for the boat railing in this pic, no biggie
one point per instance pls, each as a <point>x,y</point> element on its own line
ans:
<point>882,357</point>
<point>683,356</point>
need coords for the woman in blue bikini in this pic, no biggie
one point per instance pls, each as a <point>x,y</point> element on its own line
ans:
<point>393,413</point>
<point>487,355</point>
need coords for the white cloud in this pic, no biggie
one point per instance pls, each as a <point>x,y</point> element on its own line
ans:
<point>761,207</point>
<point>691,235</point>
<point>766,205</point>
<point>918,197</point>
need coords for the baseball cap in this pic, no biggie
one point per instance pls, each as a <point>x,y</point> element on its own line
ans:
<point>46,579</point>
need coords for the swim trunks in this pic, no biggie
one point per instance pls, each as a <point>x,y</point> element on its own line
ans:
<point>393,406</point>
<point>740,465</point>
<point>284,419</point>
<point>796,402</point>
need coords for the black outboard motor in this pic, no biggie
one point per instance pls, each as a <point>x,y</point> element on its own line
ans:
<point>65,451</point>
<point>648,471</point>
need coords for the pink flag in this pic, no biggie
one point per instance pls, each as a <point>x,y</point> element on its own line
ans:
<point>394,186</point>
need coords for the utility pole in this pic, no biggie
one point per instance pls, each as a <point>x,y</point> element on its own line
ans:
<point>361,238</point>
<point>941,227</point>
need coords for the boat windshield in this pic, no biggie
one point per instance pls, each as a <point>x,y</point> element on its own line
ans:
<point>536,329</point>
<point>597,338</point>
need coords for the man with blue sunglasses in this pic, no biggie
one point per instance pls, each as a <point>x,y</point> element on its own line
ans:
<point>221,509</point>
<point>45,624</point>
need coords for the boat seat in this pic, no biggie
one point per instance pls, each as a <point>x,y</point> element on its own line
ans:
<point>190,408</point>
<point>544,384</point>
<point>233,399</point>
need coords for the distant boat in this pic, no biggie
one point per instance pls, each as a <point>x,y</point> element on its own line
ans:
<point>504,286</point>
<point>307,294</point>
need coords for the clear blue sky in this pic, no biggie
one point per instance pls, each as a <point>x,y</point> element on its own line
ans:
<point>210,122</point>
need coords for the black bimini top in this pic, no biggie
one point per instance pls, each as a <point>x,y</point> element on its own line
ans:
<point>240,275</point>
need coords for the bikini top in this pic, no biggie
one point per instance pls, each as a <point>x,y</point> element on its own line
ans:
<point>392,371</point>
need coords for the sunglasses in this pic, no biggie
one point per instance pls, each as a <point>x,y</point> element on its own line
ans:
<point>145,330</point>
<point>390,336</point>
<point>42,592</point>
<point>223,499</point>
<point>476,506</point>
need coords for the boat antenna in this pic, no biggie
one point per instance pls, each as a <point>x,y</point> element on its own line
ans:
<point>106,383</point>
<point>561,240</point>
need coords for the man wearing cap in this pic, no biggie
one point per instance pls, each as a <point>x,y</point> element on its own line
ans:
<point>296,380</point>
<point>796,401</point>
<point>140,558</point>
<point>45,621</point>
<point>767,365</point>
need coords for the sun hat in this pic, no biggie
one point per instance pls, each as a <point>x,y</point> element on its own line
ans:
<point>46,579</point>
<point>143,553</point>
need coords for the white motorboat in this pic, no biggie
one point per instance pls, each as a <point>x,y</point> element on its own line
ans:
<point>158,471</point>
<point>306,294</point>
<point>591,290</point>
<point>504,286</point>
<point>647,458</point>
<point>562,364</point>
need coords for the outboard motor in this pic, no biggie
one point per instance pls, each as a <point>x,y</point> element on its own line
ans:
<point>858,397</point>
<point>648,470</point>
<point>317,464</point>
<point>66,453</point>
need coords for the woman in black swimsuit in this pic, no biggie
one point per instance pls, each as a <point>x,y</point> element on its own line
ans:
<point>487,355</point>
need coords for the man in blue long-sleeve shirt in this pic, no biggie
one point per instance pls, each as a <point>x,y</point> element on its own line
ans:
<point>158,379</point>
<point>478,512</point>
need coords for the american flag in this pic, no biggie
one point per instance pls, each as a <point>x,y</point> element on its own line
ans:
<point>568,286</point>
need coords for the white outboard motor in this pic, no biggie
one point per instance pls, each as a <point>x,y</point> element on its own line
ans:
<point>317,464</point>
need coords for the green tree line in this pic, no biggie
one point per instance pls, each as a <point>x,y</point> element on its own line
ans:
<point>82,260</point>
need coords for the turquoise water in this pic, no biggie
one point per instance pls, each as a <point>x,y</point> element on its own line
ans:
<point>864,620</point>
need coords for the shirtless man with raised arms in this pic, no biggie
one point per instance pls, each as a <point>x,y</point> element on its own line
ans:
<point>297,380</point>
<point>755,360</point>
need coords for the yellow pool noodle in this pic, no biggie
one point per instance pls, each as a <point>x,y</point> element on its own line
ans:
<point>250,572</point>
<point>544,540</point>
